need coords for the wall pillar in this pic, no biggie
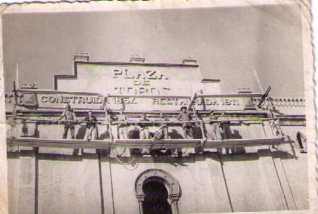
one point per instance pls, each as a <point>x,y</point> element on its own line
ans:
<point>174,206</point>
<point>141,211</point>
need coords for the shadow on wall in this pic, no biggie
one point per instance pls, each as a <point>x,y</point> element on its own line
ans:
<point>174,134</point>
<point>30,130</point>
<point>81,132</point>
<point>228,134</point>
<point>237,150</point>
<point>134,134</point>
<point>105,135</point>
<point>197,133</point>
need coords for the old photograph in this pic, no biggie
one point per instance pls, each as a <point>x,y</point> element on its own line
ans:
<point>158,110</point>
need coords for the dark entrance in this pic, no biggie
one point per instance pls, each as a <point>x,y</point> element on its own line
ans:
<point>156,198</point>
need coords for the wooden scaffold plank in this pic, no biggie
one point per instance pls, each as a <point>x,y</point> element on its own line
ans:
<point>142,143</point>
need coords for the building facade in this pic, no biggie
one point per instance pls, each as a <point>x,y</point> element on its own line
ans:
<point>246,152</point>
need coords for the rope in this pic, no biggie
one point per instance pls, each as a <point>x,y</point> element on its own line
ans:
<point>121,162</point>
<point>121,153</point>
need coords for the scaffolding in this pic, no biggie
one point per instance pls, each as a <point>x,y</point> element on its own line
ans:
<point>113,141</point>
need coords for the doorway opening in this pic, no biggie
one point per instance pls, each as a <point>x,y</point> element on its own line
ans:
<point>156,198</point>
<point>157,192</point>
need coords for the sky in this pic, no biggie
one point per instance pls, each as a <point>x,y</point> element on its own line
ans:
<point>251,47</point>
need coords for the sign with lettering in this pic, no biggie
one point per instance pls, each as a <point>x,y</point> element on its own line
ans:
<point>175,103</point>
<point>133,87</point>
<point>58,100</point>
<point>76,101</point>
<point>138,79</point>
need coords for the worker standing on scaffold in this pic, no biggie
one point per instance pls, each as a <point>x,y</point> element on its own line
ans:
<point>144,130</point>
<point>69,115</point>
<point>186,125</point>
<point>122,132</point>
<point>160,134</point>
<point>91,127</point>
<point>215,125</point>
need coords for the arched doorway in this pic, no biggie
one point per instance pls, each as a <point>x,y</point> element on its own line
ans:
<point>156,197</point>
<point>157,192</point>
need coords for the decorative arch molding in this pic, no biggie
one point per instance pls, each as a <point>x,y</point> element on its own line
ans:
<point>171,184</point>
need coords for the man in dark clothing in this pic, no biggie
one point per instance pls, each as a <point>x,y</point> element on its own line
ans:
<point>69,115</point>
<point>186,125</point>
<point>91,127</point>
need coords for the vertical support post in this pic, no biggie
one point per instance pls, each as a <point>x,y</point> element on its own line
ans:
<point>174,206</point>
<point>141,211</point>
<point>204,138</point>
<point>117,127</point>
<point>25,130</point>
<point>14,111</point>
<point>108,122</point>
<point>202,130</point>
<point>165,131</point>
<point>293,150</point>
<point>17,73</point>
